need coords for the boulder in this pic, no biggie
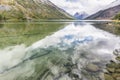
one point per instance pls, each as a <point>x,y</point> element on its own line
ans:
<point>92,67</point>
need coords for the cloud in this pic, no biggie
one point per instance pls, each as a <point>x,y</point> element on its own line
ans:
<point>89,6</point>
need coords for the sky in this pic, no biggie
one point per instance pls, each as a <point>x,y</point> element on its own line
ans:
<point>88,6</point>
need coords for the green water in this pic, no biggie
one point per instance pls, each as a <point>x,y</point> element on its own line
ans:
<point>16,33</point>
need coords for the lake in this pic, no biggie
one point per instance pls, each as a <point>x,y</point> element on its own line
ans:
<point>58,50</point>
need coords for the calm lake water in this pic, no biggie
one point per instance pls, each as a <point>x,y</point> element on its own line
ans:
<point>56,50</point>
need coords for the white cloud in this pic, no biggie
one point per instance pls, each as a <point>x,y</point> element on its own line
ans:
<point>89,6</point>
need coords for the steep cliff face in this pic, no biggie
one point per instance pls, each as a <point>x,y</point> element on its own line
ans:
<point>109,13</point>
<point>30,9</point>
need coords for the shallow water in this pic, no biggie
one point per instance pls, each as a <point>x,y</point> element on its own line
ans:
<point>66,53</point>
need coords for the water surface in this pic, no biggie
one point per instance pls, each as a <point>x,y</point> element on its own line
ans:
<point>55,51</point>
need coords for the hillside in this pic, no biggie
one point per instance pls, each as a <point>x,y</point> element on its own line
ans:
<point>109,13</point>
<point>117,17</point>
<point>30,9</point>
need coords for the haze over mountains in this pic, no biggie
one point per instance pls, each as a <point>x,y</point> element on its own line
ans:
<point>109,12</point>
<point>81,15</point>
<point>89,7</point>
<point>114,3</point>
<point>30,9</point>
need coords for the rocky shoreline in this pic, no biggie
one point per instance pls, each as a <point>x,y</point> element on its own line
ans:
<point>113,68</point>
<point>93,71</point>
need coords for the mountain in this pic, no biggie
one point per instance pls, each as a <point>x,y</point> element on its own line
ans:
<point>80,15</point>
<point>109,13</point>
<point>30,9</point>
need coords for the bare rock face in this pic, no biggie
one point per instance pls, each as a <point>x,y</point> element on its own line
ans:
<point>106,14</point>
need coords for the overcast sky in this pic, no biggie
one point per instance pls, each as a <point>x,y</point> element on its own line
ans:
<point>89,6</point>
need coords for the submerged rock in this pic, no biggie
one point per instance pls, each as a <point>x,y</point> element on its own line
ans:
<point>117,52</point>
<point>108,77</point>
<point>117,70</point>
<point>76,73</point>
<point>113,68</point>
<point>92,67</point>
<point>118,78</point>
<point>118,58</point>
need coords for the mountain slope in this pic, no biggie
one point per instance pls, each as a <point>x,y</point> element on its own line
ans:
<point>117,17</point>
<point>109,13</point>
<point>30,9</point>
